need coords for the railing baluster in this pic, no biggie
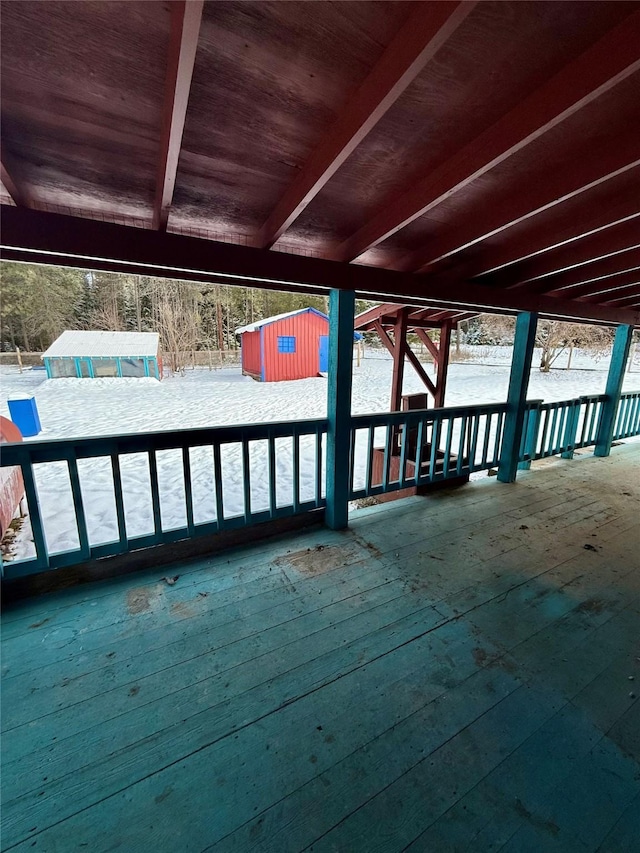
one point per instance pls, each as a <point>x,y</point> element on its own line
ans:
<point>352,458</point>
<point>435,446</point>
<point>78,506</point>
<point>545,430</point>
<point>498,440</point>
<point>463,435</point>
<point>246,481</point>
<point>387,456</point>
<point>419,447</point>
<point>319,466</point>
<point>446,462</point>
<point>585,423</point>
<point>296,472</point>
<point>592,422</point>
<point>628,412</point>
<point>487,437</point>
<point>217,473</point>
<point>155,494</point>
<point>272,473</point>
<point>404,442</point>
<point>552,432</point>
<point>635,421</point>
<point>37,529</point>
<point>369,469</point>
<point>188,492</point>
<point>120,513</point>
<point>473,446</point>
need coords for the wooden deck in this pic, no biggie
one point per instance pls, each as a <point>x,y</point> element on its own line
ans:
<point>452,673</point>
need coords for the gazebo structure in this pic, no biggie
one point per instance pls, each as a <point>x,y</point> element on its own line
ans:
<point>401,320</point>
<point>437,674</point>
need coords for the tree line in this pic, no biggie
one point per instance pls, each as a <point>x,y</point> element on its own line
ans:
<point>39,302</point>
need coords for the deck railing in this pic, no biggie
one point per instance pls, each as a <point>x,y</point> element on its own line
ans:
<point>627,422</point>
<point>227,477</point>
<point>400,450</point>
<point>95,497</point>
<point>561,427</point>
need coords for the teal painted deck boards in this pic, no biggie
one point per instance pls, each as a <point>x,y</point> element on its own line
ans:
<point>451,673</point>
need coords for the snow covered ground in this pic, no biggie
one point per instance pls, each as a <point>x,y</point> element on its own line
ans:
<point>94,407</point>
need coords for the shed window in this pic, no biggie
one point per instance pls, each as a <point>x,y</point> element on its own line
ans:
<point>104,367</point>
<point>286,343</point>
<point>132,367</point>
<point>62,367</point>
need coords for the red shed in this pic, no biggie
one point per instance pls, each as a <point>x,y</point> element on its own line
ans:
<point>294,345</point>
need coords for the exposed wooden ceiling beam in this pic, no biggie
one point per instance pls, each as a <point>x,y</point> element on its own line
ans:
<point>49,238</point>
<point>550,236</point>
<point>588,170</point>
<point>621,302</point>
<point>600,68</point>
<point>427,29</point>
<point>610,296</point>
<point>620,269</point>
<point>183,44</point>
<point>19,195</point>
<point>617,240</point>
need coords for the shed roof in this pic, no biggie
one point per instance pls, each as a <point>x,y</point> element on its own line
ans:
<point>73,344</point>
<point>253,327</point>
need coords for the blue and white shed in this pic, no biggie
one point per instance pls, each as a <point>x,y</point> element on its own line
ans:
<point>89,355</point>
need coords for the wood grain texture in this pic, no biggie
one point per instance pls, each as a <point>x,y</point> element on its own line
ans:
<point>452,671</point>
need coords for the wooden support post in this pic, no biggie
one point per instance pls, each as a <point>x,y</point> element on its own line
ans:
<point>517,395</point>
<point>619,356</point>
<point>341,309</point>
<point>399,347</point>
<point>19,357</point>
<point>443,364</point>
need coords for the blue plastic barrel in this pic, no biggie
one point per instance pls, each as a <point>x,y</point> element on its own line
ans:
<point>24,414</point>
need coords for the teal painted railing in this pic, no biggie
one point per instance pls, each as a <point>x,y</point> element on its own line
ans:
<point>278,460</point>
<point>560,428</point>
<point>237,476</point>
<point>627,422</point>
<point>400,450</point>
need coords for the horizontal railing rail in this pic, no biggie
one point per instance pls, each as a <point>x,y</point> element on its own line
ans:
<point>627,421</point>
<point>223,484</point>
<point>401,450</point>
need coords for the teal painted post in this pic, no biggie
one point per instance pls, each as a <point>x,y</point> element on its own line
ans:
<point>341,306</point>
<point>517,395</point>
<point>619,356</point>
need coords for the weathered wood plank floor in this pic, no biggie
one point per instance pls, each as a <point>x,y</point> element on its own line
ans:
<point>452,673</point>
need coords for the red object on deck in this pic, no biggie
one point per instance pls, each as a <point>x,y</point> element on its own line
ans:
<point>11,483</point>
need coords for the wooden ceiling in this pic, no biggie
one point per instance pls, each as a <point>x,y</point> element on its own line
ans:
<point>488,152</point>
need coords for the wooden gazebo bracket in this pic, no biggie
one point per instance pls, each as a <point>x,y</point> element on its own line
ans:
<point>392,323</point>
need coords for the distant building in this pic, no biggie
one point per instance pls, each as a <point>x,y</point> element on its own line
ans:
<point>294,345</point>
<point>89,355</point>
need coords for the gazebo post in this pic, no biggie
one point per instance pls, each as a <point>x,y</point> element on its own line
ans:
<point>619,356</point>
<point>341,310</point>
<point>523,346</point>
<point>399,347</point>
<point>442,363</point>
